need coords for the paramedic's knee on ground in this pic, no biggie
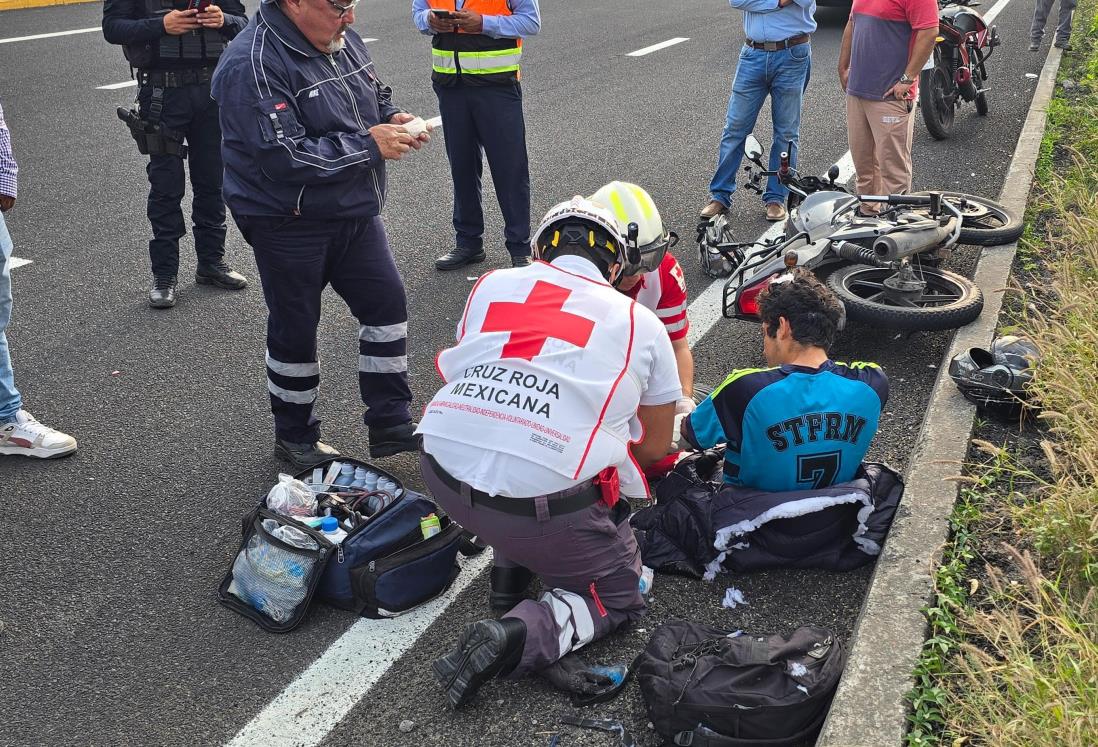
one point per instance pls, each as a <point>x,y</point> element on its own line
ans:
<point>805,421</point>
<point>556,373</point>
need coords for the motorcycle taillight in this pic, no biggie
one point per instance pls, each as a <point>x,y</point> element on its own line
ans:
<point>747,303</point>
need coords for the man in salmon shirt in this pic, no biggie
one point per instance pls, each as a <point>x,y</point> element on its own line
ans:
<point>885,45</point>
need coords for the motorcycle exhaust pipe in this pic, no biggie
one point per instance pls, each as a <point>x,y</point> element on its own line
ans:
<point>900,244</point>
<point>965,85</point>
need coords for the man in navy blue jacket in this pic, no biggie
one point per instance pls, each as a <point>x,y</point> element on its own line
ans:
<point>307,128</point>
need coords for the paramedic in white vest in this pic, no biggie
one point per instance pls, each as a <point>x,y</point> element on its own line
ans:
<point>558,394</point>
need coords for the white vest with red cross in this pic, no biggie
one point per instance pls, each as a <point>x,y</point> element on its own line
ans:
<point>541,372</point>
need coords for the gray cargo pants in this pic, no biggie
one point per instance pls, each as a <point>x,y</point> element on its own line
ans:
<point>588,561</point>
<point>1063,23</point>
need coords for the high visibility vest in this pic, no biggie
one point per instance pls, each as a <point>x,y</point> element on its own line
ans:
<point>484,59</point>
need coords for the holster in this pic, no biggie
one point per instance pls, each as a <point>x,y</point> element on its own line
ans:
<point>153,138</point>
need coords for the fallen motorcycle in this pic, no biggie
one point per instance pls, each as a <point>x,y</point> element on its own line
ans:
<point>891,278</point>
<point>958,72</point>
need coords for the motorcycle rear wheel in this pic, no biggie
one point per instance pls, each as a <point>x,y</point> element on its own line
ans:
<point>936,99</point>
<point>947,300</point>
<point>985,222</point>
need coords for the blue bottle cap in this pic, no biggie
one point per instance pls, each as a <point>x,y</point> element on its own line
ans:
<point>329,525</point>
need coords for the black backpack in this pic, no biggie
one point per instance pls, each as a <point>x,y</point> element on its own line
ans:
<point>707,687</point>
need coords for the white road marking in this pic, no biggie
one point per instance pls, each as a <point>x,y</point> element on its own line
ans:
<point>115,86</point>
<point>658,47</point>
<point>323,694</point>
<point>47,36</point>
<point>305,712</point>
<point>18,262</point>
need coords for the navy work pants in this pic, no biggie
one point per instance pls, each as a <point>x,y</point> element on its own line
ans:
<point>297,258</point>
<point>487,117</point>
<point>190,111</point>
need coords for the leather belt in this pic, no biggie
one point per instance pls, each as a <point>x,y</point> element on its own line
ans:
<point>175,78</point>
<point>562,502</point>
<point>784,44</point>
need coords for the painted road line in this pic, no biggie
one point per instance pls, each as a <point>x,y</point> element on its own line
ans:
<point>47,36</point>
<point>658,47</point>
<point>311,705</point>
<point>115,86</point>
<point>18,262</point>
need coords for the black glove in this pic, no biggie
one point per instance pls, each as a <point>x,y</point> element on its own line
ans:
<point>572,674</point>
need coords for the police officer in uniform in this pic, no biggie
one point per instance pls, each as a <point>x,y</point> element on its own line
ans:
<point>174,46</point>
<point>476,47</point>
<point>308,128</point>
<point>570,388</point>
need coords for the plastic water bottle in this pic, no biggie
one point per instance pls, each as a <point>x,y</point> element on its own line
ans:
<point>334,533</point>
<point>361,474</point>
<point>647,576</point>
<point>346,476</point>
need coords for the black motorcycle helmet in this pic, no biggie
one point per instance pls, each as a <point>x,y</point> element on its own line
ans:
<point>996,380</point>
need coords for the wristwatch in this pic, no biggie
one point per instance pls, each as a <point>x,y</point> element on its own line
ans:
<point>906,80</point>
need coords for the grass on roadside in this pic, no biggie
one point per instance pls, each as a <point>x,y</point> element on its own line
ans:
<point>1012,657</point>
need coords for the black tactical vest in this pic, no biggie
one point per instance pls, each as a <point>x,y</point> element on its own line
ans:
<point>199,48</point>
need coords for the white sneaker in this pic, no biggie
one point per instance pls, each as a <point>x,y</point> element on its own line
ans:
<point>30,438</point>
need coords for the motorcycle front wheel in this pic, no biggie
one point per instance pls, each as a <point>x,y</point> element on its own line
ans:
<point>981,97</point>
<point>983,221</point>
<point>946,300</point>
<point>936,99</point>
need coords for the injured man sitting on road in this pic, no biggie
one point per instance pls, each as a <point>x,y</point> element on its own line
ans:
<point>805,422</point>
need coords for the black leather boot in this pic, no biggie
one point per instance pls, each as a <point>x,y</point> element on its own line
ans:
<point>304,455</point>
<point>162,295</point>
<point>393,440</point>
<point>507,587</point>
<point>459,257</point>
<point>220,275</point>
<point>486,649</point>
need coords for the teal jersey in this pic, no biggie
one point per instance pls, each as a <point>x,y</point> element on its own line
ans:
<point>792,427</point>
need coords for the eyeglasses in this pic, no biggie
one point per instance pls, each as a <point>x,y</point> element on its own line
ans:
<point>344,9</point>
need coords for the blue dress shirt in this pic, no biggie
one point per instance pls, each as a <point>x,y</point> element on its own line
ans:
<point>764,21</point>
<point>525,19</point>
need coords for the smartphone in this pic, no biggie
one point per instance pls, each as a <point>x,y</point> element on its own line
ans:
<point>442,13</point>
<point>200,5</point>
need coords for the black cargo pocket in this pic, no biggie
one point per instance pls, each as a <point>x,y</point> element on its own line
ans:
<point>409,577</point>
<point>278,120</point>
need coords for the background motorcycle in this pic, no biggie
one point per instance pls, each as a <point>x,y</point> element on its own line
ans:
<point>892,279</point>
<point>958,73</point>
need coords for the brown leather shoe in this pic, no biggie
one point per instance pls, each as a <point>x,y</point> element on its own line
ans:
<point>713,209</point>
<point>775,212</point>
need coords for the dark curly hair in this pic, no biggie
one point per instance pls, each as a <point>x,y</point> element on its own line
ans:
<point>813,311</point>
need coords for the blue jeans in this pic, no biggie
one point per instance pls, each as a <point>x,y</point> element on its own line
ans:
<point>10,401</point>
<point>784,76</point>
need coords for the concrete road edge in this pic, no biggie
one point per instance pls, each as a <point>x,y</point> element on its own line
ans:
<point>870,708</point>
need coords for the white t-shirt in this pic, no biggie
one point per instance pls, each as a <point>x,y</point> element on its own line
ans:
<point>525,413</point>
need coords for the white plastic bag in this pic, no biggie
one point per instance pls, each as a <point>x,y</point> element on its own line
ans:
<point>291,497</point>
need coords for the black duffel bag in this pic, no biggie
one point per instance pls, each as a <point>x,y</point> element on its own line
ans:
<point>707,687</point>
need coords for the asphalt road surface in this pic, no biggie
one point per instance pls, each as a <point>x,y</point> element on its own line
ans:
<point>111,632</point>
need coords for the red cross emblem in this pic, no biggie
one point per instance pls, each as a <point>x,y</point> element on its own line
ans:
<point>535,320</point>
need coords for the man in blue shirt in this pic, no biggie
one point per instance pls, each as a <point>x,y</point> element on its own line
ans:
<point>807,421</point>
<point>476,48</point>
<point>776,60</point>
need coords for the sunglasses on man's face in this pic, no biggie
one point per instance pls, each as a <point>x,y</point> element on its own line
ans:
<point>342,9</point>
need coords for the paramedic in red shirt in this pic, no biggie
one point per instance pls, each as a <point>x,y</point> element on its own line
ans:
<point>659,284</point>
